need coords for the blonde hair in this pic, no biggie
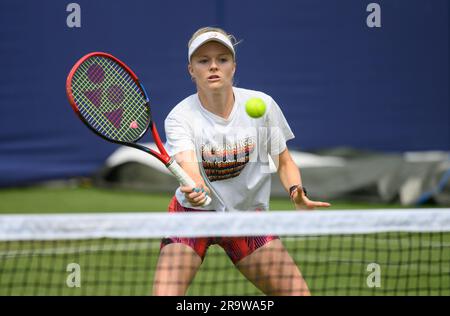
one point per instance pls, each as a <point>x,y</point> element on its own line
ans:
<point>206,29</point>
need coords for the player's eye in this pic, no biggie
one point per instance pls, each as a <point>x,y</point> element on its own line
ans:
<point>203,61</point>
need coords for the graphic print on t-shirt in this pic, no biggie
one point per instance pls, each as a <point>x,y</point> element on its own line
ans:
<point>226,161</point>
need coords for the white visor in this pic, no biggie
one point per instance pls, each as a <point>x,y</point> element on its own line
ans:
<point>208,37</point>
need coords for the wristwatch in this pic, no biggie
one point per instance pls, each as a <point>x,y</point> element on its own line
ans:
<point>294,188</point>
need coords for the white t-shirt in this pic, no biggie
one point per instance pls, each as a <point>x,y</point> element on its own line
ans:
<point>233,153</point>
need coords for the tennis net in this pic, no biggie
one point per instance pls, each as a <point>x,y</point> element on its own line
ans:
<point>358,252</point>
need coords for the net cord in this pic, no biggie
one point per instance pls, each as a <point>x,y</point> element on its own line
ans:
<point>201,224</point>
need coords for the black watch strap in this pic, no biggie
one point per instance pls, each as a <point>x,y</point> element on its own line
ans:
<point>294,188</point>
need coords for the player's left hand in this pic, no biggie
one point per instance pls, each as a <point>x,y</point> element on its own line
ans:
<point>302,202</point>
<point>196,196</point>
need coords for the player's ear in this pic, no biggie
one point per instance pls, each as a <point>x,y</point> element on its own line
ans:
<point>191,72</point>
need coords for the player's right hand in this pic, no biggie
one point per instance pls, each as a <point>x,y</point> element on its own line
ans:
<point>196,196</point>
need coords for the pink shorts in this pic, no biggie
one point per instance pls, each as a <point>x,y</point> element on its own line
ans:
<point>236,248</point>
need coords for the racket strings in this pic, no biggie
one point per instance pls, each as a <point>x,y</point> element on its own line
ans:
<point>100,120</point>
<point>111,130</point>
<point>92,118</point>
<point>135,94</point>
<point>109,99</point>
<point>115,73</point>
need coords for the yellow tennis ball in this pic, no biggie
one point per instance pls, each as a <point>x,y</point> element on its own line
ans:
<point>255,107</point>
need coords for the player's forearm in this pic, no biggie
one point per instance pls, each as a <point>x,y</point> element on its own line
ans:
<point>198,195</point>
<point>188,162</point>
<point>193,171</point>
<point>289,175</point>
<point>288,171</point>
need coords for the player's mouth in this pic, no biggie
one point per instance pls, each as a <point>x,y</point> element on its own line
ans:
<point>213,78</point>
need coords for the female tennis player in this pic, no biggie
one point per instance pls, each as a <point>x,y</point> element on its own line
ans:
<point>226,151</point>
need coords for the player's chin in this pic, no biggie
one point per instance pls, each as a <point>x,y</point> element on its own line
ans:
<point>215,85</point>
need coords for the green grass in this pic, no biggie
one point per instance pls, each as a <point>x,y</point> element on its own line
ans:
<point>79,200</point>
<point>331,266</point>
<point>410,264</point>
<point>74,200</point>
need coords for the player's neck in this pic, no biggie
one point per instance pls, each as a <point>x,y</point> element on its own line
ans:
<point>219,103</point>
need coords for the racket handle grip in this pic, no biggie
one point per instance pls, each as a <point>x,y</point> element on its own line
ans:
<point>184,178</point>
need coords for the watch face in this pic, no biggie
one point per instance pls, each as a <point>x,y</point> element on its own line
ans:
<point>293,188</point>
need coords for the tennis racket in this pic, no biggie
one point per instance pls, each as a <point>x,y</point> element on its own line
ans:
<point>108,97</point>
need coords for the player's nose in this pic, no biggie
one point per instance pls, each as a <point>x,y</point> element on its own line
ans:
<point>213,65</point>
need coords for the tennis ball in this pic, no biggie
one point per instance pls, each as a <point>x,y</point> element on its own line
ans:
<point>255,107</point>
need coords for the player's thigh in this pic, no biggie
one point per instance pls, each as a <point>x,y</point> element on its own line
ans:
<point>273,271</point>
<point>177,266</point>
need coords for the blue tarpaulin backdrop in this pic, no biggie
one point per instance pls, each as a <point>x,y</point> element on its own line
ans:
<point>338,81</point>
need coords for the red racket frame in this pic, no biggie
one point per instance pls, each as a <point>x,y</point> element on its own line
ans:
<point>162,155</point>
